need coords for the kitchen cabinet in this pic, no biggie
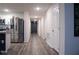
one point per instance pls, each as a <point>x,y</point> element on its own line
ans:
<point>2,42</point>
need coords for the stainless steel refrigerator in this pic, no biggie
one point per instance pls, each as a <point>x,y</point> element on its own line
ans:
<point>17,30</point>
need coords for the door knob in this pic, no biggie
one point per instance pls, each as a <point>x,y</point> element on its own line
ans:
<point>52,30</point>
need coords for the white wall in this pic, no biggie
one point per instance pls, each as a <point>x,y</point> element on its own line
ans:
<point>52,26</point>
<point>61,29</point>
<point>27,27</point>
<point>41,28</point>
<point>48,27</point>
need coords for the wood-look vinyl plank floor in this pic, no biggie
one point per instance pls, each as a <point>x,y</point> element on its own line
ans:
<point>35,46</point>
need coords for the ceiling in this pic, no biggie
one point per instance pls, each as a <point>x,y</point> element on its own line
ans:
<point>30,7</point>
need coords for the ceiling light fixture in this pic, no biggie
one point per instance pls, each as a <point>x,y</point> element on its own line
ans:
<point>6,10</point>
<point>38,8</point>
<point>36,17</point>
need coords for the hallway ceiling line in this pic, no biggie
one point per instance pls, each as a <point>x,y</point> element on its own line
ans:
<point>30,7</point>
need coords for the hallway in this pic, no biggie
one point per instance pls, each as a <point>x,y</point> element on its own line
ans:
<point>36,46</point>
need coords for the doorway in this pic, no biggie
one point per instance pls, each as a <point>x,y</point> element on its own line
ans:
<point>33,27</point>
